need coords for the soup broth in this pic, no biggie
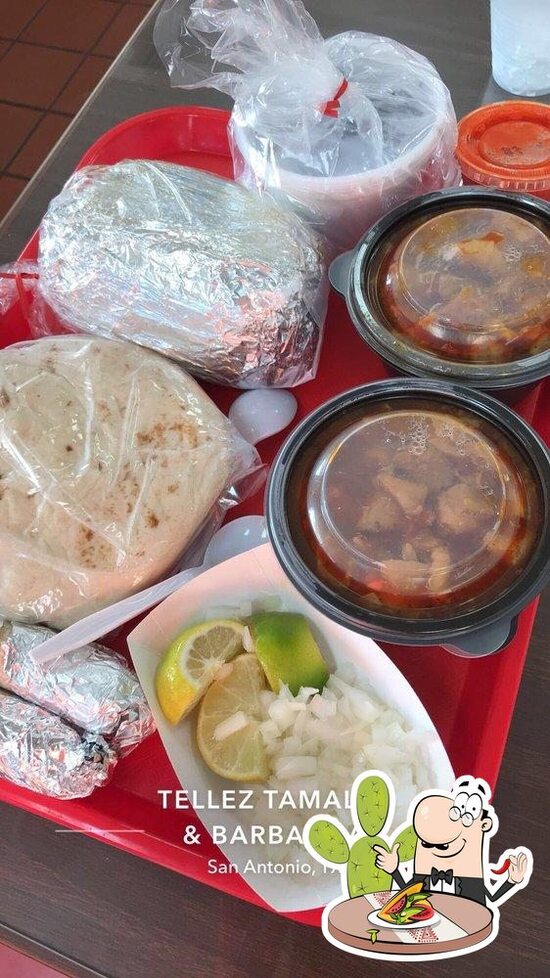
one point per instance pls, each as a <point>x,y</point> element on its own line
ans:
<point>468,285</point>
<point>417,508</point>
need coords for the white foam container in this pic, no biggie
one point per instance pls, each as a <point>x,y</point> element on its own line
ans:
<point>343,207</point>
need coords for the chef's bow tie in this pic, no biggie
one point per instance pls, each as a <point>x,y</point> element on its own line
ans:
<point>440,874</point>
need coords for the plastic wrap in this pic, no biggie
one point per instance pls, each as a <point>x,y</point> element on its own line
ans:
<point>91,686</point>
<point>344,129</point>
<point>187,264</point>
<point>42,752</point>
<point>112,461</point>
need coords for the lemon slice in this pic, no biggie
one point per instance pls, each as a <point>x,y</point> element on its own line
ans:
<point>191,662</point>
<point>228,727</point>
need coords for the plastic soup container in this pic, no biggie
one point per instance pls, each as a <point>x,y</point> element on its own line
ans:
<point>456,286</point>
<point>416,513</point>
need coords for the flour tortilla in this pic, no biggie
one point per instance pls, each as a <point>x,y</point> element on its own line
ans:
<point>111,457</point>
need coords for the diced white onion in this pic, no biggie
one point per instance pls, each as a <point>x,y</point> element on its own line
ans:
<point>320,741</point>
<point>232,725</point>
<point>287,768</point>
<point>248,641</point>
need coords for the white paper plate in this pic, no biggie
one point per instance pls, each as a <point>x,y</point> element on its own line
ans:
<point>257,577</point>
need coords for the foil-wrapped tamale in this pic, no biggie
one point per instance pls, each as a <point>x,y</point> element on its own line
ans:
<point>188,264</point>
<point>91,686</point>
<point>42,752</point>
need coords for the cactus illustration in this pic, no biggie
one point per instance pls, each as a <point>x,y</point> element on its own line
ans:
<point>407,840</point>
<point>327,839</point>
<point>363,874</point>
<point>373,804</point>
<point>329,842</point>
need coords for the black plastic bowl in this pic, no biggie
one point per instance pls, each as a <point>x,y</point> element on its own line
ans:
<point>487,628</point>
<point>349,275</point>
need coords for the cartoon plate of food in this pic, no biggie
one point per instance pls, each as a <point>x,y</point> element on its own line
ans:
<point>456,926</point>
<point>410,907</point>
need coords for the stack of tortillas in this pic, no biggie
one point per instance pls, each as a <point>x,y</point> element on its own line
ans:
<point>111,457</point>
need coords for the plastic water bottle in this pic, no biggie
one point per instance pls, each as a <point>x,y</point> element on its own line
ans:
<point>520,42</point>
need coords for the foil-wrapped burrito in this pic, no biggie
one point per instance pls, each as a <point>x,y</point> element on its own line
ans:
<point>42,752</point>
<point>91,686</point>
<point>188,264</point>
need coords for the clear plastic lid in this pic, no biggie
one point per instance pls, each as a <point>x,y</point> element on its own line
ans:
<point>419,510</point>
<point>469,285</point>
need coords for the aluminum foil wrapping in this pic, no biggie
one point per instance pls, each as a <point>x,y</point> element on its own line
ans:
<point>188,264</point>
<point>42,752</point>
<point>92,686</point>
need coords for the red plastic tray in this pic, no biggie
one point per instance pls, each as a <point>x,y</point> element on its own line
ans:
<point>471,701</point>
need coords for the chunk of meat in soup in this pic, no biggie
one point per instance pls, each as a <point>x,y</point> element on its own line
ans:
<point>380,513</point>
<point>463,508</point>
<point>425,566</point>
<point>406,576</point>
<point>497,544</point>
<point>410,495</point>
<point>484,251</point>
<point>430,464</point>
<point>440,564</point>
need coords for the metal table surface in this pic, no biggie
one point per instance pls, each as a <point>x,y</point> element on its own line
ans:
<point>89,909</point>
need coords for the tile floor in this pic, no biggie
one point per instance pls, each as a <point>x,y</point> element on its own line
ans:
<point>52,55</point>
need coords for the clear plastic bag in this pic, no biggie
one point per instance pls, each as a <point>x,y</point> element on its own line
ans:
<point>344,129</point>
<point>187,264</point>
<point>113,464</point>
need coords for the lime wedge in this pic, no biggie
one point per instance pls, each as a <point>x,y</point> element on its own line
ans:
<point>287,650</point>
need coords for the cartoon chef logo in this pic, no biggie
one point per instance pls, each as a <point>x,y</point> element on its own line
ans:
<point>427,889</point>
<point>452,850</point>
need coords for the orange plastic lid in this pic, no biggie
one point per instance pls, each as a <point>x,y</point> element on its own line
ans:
<point>507,145</point>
